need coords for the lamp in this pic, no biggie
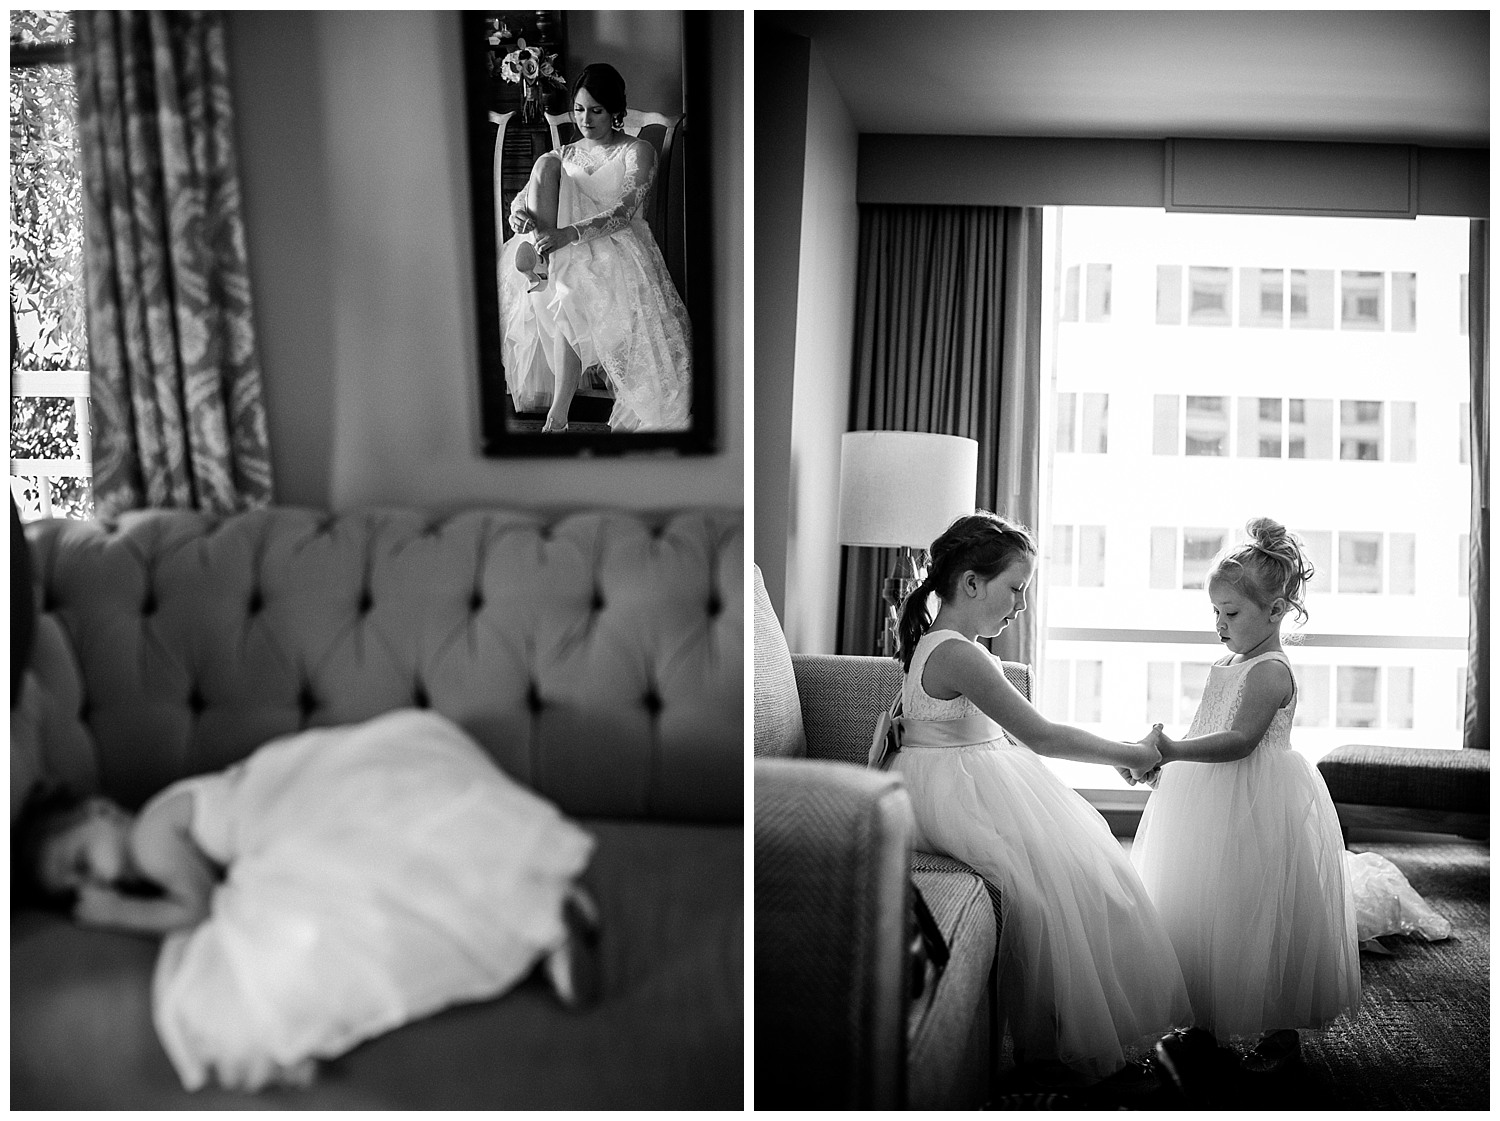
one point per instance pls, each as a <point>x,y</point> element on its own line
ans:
<point>903,489</point>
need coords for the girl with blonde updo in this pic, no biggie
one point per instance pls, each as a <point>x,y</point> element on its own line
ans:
<point>1088,977</point>
<point>1239,846</point>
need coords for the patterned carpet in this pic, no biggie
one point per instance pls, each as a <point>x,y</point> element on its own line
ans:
<point>1421,1038</point>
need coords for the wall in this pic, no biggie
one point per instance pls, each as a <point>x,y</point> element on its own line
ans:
<point>781,85</point>
<point>824,364</point>
<point>355,181</point>
<point>645,46</point>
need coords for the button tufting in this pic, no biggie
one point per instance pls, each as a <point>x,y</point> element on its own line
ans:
<point>715,605</point>
<point>196,703</point>
<point>306,701</point>
<point>533,698</point>
<point>597,603</point>
<point>257,603</point>
<point>149,606</point>
<point>652,701</point>
<point>419,697</point>
<point>476,601</point>
<point>366,602</point>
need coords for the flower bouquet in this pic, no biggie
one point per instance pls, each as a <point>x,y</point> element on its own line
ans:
<point>532,68</point>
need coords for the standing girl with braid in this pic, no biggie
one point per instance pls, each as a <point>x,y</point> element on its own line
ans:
<point>1086,970</point>
<point>1239,845</point>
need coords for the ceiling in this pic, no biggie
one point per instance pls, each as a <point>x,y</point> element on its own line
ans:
<point>1410,77</point>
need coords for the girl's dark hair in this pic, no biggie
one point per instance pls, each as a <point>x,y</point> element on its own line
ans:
<point>605,86</point>
<point>46,813</point>
<point>1272,564</point>
<point>983,542</point>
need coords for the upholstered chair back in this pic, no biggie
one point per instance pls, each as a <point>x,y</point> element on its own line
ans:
<point>597,656</point>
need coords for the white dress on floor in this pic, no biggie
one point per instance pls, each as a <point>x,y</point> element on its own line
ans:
<point>1087,971</point>
<point>1245,862</point>
<point>609,296</point>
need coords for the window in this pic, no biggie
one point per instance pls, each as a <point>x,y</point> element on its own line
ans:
<point>1207,426</point>
<point>1098,294</point>
<point>49,396</point>
<point>1317,393</point>
<point>1208,296</point>
<point>1364,301</point>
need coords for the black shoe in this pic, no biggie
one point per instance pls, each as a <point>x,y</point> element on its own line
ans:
<point>1189,1057</point>
<point>1276,1051</point>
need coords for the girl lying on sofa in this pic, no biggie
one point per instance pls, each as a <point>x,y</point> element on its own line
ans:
<point>331,886</point>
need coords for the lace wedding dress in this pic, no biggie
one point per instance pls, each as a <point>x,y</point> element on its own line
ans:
<point>608,296</point>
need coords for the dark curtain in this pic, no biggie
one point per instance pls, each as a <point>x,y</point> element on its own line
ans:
<point>948,340</point>
<point>178,415</point>
<point>1477,694</point>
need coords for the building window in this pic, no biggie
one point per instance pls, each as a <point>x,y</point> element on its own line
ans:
<point>1311,299</point>
<point>1097,309</point>
<point>1359,563</point>
<point>1318,545</point>
<point>1400,689</point>
<point>1068,313</point>
<point>1199,548</point>
<point>1463,304</point>
<point>1363,305</point>
<point>1207,426</point>
<point>1262,298</point>
<point>50,446</point>
<point>1403,431</point>
<point>1091,556</point>
<point>1169,295</point>
<point>1361,425</point>
<point>1403,301</point>
<point>1208,296</point>
<point>1359,696</point>
<point>1403,576</point>
<point>1312,697</point>
<point>1260,427</point>
<point>1309,429</point>
<point>1164,424</point>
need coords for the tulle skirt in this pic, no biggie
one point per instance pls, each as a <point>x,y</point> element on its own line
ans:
<point>1087,973</point>
<point>1245,863</point>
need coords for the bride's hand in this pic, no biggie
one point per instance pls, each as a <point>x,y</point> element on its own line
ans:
<point>521,221</point>
<point>1146,755</point>
<point>549,239</point>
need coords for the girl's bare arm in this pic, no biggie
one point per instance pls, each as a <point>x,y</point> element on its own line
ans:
<point>166,855</point>
<point>1268,686</point>
<point>963,668</point>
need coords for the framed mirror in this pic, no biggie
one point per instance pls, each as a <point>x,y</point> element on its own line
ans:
<point>591,228</point>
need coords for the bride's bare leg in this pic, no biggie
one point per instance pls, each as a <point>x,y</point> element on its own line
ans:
<point>562,395</point>
<point>541,199</point>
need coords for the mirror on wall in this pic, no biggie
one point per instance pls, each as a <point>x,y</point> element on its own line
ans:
<point>591,191</point>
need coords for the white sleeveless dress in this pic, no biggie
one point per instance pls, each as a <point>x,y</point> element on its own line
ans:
<point>1087,972</point>
<point>609,296</point>
<point>1245,862</point>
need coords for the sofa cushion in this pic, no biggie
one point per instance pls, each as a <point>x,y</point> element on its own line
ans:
<point>668,1032</point>
<point>1451,779</point>
<point>597,656</point>
<point>778,710</point>
<point>948,1026</point>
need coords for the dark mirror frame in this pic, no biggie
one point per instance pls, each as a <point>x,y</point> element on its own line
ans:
<point>698,290</point>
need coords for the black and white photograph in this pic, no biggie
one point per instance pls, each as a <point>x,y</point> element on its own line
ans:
<point>357,764</point>
<point>1121,489</point>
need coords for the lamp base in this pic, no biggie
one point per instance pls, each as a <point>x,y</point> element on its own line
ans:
<point>894,591</point>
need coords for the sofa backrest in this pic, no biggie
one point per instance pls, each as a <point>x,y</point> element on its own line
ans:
<point>597,656</point>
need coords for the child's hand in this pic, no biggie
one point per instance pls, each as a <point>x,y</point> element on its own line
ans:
<point>96,905</point>
<point>1151,777</point>
<point>1128,775</point>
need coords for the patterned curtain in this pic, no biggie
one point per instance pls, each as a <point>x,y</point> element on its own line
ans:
<point>1477,702</point>
<point>948,340</point>
<point>178,414</point>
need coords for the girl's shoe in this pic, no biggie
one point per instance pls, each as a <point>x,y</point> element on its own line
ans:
<point>1190,1059</point>
<point>573,967</point>
<point>530,265</point>
<point>1275,1051</point>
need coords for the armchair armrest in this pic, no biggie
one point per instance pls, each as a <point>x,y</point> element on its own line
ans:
<point>842,697</point>
<point>832,881</point>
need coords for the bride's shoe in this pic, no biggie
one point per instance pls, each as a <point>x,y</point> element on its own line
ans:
<point>529,265</point>
<point>549,425</point>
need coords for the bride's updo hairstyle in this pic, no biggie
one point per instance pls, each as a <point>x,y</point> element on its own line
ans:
<point>605,86</point>
<point>1272,564</point>
<point>983,542</point>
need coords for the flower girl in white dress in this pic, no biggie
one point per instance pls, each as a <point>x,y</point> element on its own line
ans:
<point>1239,845</point>
<point>1087,971</point>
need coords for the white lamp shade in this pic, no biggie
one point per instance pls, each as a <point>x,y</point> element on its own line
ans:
<point>904,488</point>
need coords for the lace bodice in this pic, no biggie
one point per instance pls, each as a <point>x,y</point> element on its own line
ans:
<point>1221,701</point>
<point>916,702</point>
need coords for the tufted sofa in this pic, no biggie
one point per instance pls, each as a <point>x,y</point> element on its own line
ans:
<point>840,1020</point>
<point>597,656</point>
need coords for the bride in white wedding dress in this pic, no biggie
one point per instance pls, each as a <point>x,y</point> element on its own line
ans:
<point>584,282</point>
